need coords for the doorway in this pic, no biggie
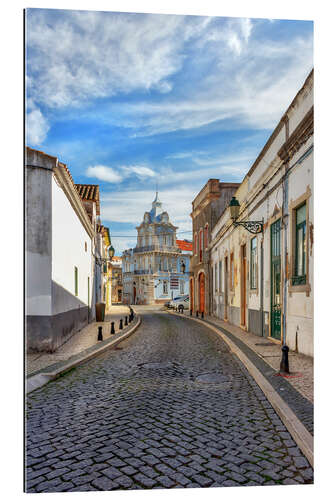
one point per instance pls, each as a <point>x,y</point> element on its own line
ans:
<point>276,280</point>
<point>201,292</point>
<point>243,284</point>
<point>226,279</point>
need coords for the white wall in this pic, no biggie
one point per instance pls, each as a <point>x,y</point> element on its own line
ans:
<point>68,250</point>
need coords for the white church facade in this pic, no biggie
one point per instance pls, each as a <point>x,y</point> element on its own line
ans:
<point>157,269</point>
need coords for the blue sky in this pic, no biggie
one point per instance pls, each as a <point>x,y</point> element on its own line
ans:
<point>128,100</point>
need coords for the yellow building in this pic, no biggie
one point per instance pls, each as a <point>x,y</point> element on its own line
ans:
<point>107,271</point>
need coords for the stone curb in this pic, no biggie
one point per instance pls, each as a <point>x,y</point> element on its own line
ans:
<point>34,382</point>
<point>300,434</point>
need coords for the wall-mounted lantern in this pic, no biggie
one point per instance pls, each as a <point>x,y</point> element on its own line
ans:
<point>253,226</point>
<point>182,267</point>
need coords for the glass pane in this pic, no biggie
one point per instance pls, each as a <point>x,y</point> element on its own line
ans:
<point>301,214</point>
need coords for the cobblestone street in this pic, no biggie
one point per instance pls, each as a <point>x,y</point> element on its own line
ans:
<point>169,407</point>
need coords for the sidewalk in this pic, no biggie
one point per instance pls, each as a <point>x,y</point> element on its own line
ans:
<point>296,390</point>
<point>80,341</point>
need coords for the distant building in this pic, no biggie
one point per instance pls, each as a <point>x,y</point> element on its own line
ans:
<point>207,206</point>
<point>157,269</point>
<point>117,280</point>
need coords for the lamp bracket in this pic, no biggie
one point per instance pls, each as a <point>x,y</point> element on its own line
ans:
<point>253,226</point>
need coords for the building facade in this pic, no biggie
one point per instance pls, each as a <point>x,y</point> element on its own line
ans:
<point>264,282</point>
<point>157,269</point>
<point>59,245</point>
<point>206,209</point>
<point>117,280</point>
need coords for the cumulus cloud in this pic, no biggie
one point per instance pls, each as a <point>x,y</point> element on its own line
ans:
<point>112,175</point>
<point>75,56</point>
<point>37,127</point>
<point>103,173</point>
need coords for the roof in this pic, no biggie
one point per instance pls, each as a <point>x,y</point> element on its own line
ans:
<point>184,245</point>
<point>89,192</point>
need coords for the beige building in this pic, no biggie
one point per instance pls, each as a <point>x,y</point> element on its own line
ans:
<point>263,281</point>
<point>117,280</point>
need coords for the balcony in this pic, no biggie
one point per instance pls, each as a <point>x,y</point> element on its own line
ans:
<point>157,248</point>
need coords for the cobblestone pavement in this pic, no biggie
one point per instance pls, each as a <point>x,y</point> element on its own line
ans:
<point>80,341</point>
<point>173,408</point>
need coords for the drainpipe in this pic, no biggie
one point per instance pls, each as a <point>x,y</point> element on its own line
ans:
<point>285,226</point>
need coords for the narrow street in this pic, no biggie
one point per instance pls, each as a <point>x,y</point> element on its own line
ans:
<point>170,407</point>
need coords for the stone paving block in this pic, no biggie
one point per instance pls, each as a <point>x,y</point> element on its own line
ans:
<point>144,480</point>
<point>104,484</point>
<point>46,485</point>
<point>57,473</point>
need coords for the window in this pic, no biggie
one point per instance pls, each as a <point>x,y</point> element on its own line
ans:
<point>165,287</point>
<point>200,245</point>
<point>299,277</point>
<point>254,264</point>
<point>206,236</point>
<point>220,276</point>
<point>232,271</point>
<point>76,282</point>
<point>215,278</point>
<point>195,244</point>
<point>181,287</point>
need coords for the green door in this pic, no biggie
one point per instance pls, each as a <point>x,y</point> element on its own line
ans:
<point>276,280</point>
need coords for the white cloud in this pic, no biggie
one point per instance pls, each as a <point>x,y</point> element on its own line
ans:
<point>109,174</point>
<point>37,127</point>
<point>139,171</point>
<point>103,173</point>
<point>75,56</point>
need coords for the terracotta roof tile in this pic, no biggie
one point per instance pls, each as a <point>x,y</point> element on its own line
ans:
<point>89,192</point>
<point>184,245</point>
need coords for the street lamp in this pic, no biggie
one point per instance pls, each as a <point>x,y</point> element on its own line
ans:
<point>253,226</point>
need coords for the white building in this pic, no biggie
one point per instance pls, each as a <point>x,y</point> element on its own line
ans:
<point>59,285</point>
<point>264,282</point>
<point>157,269</point>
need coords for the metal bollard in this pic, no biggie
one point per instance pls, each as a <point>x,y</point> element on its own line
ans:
<point>202,315</point>
<point>126,321</point>
<point>100,334</point>
<point>112,328</point>
<point>129,318</point>
<point>190,312</point>
<point>121,324</point>
<point>284,365</point>
<point>197,314</point>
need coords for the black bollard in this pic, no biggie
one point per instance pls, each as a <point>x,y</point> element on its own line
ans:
<point>100,334</point>
<point>129,318</point>
<point>121,324</point>
<point>190,312</point>
<point>126,322</point>
<point>284,365</point>
<point>202,315</point>
<point>197,314</point>
<point>112,328</point>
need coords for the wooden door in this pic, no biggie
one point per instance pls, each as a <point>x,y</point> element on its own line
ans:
<point>276,280</point>
<point>201,292</point>
<point>191,294</point>
<point>226,284</point>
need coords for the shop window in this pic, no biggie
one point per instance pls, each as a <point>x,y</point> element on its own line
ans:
<point>232,271</point>
<point>299,275</point>
<point>165,287</point>
<point>254,264</point>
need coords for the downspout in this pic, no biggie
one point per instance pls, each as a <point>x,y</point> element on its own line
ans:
<point>285,218</point>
